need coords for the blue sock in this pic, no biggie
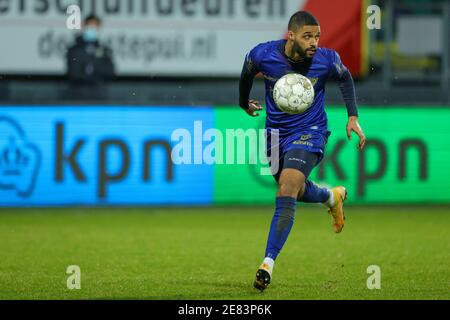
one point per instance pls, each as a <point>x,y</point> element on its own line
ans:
<point>314,193</point>
<point>281,225</point>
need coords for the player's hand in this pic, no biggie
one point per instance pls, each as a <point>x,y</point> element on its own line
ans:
<point>253,105</point>
<point>353,125</point>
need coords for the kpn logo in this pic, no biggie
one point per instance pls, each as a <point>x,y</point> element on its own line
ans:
<point>19,159</point>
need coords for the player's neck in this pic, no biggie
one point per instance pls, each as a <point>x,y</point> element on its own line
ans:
<point>291,53</point>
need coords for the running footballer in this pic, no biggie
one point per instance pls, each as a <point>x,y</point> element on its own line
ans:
<point>299,53</point>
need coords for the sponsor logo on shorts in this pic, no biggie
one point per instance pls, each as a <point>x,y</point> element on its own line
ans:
<point>303,140</point>
<point>305,143</point>
<point>305,137</point>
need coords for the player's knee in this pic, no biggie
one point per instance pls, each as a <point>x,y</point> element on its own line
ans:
<point>288,189</point>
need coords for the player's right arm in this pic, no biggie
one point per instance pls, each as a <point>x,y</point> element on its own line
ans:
<point>249,71</point>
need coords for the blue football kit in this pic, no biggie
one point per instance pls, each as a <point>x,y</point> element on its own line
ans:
<point>300,139</point>
<point>306,131</point>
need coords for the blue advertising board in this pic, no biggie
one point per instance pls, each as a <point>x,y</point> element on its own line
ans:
<point>91,155</point>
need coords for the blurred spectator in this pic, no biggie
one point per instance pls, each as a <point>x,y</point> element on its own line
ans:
<point>89,63</point>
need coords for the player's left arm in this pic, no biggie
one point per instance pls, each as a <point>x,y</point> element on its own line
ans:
<point>347,87</point>
<point>249,71</point>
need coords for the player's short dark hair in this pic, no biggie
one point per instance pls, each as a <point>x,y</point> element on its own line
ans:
<point>92,18</point>
<point>300,19</point>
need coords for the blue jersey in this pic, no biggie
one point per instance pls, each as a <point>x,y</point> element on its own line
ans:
<point>269,59</point>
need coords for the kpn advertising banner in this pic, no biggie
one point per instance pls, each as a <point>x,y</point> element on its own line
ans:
<point>169,37</point>
<point>406,158</point>
<point>99,155</point>
<point>91,155</point>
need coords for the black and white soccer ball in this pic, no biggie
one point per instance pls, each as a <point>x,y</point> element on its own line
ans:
<point>293,93</point>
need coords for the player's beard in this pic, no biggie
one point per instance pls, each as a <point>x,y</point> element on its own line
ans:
<point>297,49</point>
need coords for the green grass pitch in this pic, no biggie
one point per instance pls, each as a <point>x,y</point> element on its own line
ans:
<point>213,253</point>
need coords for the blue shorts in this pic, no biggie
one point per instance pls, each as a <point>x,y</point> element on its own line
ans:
<point>304,147</point>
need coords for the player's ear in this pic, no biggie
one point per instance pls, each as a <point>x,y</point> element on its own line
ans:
<point>290,35</point>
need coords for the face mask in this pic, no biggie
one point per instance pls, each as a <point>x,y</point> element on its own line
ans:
<point>90,34</point>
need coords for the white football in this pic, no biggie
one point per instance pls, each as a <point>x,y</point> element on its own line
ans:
<point>293,93</point>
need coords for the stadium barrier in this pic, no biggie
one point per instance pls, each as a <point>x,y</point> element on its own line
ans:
<point>112,155</point>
